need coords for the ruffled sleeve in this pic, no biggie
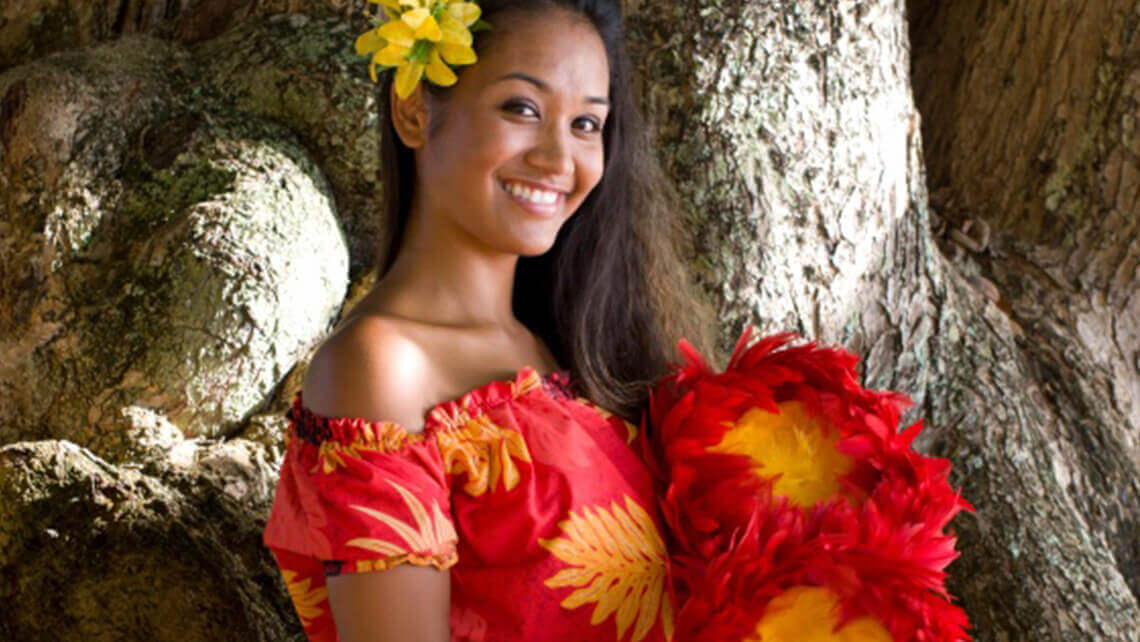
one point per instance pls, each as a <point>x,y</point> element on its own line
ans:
<point>360,495</point>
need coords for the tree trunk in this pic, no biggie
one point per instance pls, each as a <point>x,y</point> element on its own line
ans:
<point>791,130</point>
<point>1031,134</point>
<point>1008,310</point>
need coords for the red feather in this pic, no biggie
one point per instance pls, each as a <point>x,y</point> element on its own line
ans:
<point>879,545</point>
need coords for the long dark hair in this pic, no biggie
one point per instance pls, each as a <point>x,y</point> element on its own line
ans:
<point>613,295</point>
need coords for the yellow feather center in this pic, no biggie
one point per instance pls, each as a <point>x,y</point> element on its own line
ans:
<point>794,445</point>
<point>809,614</point>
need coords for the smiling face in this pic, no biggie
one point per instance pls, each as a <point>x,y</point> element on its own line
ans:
<point>520,143</point>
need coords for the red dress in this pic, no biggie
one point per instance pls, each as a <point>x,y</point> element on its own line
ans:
<point>531,495</point>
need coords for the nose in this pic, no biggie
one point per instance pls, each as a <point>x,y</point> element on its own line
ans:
<point>551,152</point>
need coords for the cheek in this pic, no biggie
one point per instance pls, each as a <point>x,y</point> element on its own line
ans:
<point>469,148</point>
<point>592,167</point>
<point>489,148</point>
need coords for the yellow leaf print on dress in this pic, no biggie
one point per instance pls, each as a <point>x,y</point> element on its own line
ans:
<point>618,560</point>
<point>305,599</point>
<point>434,534</point>
<point>485,452</point>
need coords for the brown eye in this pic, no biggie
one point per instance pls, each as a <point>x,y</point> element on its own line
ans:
<point>520,107</point>
<point>592,124</point>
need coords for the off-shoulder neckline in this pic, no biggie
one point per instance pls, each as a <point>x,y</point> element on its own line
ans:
<point>444,415</point>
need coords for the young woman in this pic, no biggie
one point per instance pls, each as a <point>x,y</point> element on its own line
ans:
<point>459,465</point>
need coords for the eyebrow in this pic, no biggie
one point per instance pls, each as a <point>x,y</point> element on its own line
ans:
<point>545,87</point>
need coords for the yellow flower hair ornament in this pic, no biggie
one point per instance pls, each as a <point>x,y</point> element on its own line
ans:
<point>421,37</point>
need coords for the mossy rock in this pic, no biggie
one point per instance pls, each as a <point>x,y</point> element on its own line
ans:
<point>219,262</point>
<point>96,552</point>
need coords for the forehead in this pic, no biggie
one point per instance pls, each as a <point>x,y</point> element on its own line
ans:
<point>554,45</point>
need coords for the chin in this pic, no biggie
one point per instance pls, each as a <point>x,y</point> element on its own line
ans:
<point>536,245</point>
<point>536,250</point>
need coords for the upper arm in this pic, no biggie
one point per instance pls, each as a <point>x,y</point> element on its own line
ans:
<point>401,603</point>
<point>369,371</point>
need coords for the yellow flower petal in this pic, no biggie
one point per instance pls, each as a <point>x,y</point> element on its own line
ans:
<point>430,30</point>
<point>425,26</point>
<point>456,54</point>
<point>415,17</point>
<point>407,77</point>
<point>438,72</point>
<point>391,56</point>
<point>454,31</point>
<point>369,42</point>
<point>397,32</point>
<point>465,12</point>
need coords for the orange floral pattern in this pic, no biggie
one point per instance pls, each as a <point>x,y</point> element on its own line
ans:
<point>618,562</point>
<point>382,436</point>
<point>490,474</point>
<point>485,452</point>
<point>452,415</point>
<point>431,533</point>
<point>307,600</point>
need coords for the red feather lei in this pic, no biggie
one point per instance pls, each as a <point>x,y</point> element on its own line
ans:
<point>792,497</point>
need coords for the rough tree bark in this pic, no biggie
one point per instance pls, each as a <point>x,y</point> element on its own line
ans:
<point>1008,310</point>
<point>1030,121</point>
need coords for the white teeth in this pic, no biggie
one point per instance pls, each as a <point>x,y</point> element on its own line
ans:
<point>532,195</point>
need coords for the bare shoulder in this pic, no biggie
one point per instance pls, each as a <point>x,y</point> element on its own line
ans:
<point>370,369</point>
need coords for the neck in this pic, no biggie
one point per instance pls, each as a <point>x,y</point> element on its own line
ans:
<point>447,277</point>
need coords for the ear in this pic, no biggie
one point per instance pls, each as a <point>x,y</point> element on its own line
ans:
<point>409,116</point>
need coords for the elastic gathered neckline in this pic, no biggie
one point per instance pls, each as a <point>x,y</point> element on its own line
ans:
<point>447,415</point>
